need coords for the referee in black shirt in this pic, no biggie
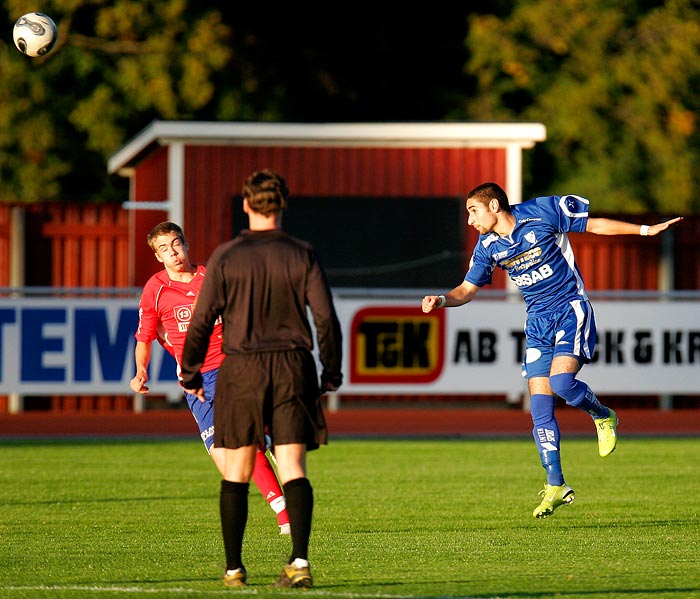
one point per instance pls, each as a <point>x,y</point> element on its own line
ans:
<point>260,284</point>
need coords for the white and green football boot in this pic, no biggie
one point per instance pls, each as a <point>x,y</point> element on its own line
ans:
<point>552,497</point>
<point>607,433</point>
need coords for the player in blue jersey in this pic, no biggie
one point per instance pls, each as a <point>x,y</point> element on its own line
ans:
<point>529,242</point>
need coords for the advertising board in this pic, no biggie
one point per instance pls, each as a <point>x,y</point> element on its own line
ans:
<point>82,346</point>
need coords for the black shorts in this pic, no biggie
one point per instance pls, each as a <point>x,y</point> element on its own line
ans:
<point>274,392</point>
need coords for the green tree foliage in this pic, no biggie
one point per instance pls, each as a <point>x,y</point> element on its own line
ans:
<point>116,66</point>
<point>617,85</point>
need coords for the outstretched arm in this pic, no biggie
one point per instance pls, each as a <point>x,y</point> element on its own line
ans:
<point>607,226</point>
<point>457,297</point>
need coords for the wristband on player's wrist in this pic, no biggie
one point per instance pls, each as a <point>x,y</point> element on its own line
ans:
<point>644,230</point>
<point>442,300</point>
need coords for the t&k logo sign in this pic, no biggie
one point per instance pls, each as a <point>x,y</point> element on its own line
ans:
<point>392,344</point>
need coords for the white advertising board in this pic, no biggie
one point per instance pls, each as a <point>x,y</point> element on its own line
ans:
<point>79,346</point>
<point>76,346</point>
<point>644,347</point>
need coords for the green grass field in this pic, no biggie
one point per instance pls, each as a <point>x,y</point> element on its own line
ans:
<point>393,519</point>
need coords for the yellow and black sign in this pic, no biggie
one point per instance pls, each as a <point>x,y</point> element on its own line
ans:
<point>392,344</point>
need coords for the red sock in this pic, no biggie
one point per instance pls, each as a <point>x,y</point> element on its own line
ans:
<point>265,479</point>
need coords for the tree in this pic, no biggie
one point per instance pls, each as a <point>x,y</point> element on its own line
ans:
<point>616,85</point>
<point>116,66</point>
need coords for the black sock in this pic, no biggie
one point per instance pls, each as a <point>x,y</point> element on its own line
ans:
<point>233,507</point>
<point>300,506</point>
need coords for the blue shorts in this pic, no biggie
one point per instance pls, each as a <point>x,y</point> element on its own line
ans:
<point>568,332</point>
<point>203,412</point>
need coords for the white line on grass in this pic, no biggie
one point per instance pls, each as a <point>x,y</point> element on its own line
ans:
<point>116,589</point>
<point>250,591</point>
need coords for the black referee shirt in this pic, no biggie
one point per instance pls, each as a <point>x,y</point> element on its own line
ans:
<point>260,284</point>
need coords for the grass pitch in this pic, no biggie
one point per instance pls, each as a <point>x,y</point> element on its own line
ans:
<point>393,519</point>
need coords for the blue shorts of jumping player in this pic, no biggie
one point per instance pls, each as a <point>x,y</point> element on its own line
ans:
<point>570,331</point>
<point>203,412</point>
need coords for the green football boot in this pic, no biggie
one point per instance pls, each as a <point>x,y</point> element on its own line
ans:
<point>552,497</point>
<point>607,433</point>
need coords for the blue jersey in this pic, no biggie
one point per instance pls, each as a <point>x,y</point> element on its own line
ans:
<point>537,255</point>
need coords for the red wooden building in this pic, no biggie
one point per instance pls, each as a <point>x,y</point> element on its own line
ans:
<point>192,172</point>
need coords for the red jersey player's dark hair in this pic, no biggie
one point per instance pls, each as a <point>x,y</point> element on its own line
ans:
<point>163,229</point>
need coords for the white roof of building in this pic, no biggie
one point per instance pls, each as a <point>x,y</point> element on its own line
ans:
<point>437,134</point>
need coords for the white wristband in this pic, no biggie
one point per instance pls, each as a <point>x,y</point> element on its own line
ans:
<point>442,300</point>
<point>644,230</point>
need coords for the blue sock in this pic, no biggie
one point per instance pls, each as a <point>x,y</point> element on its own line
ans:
<point>577,394</point>
<point>546,433</point>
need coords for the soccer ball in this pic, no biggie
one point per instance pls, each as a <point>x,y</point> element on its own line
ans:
<point>35,34</point>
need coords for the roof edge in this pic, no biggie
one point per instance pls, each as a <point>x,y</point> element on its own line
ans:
<point>444,133</point>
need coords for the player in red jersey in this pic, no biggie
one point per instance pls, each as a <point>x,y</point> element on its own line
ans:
<point>165,309</point>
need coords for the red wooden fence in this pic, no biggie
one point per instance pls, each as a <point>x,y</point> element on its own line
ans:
<point>71,245</point>
<point>5,218</point>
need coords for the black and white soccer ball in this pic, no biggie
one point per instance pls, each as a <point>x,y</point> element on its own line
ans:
<point>35,34</point>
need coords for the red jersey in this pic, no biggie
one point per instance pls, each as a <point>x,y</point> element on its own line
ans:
<point>165,310</point>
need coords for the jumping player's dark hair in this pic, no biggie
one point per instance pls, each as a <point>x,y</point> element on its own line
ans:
<point>163,229</point>
<point>266,192</point>
<point>486,192</point>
